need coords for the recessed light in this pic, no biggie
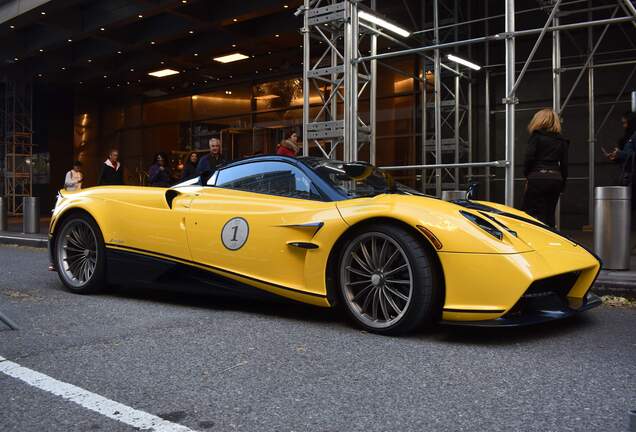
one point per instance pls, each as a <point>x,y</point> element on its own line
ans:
<point>42,13</point>
<point>196,54</point>
<point>40,75</point>
<point>253,56</point>
<point>118,52</point>
<point>69,40</point>
<point>132,70</point>
<point>285,6</point>
<point>90,60</point>
<point>269,52</point>
<point>152,42</point>
<point>140,16</point>
<point>184,1</point>
<point>41,50</point>
<point>230,58</point>
<point>233,45</point>
<point>102,29</point>
<point>15,59</point>
<point>63,68</point>
<point>162,62</point>
<point>11,26</point>
<point>277,35</point>
<point>234,19</point>
<point>191,31</point>
<point>163,73</point>
<point>230,76</point>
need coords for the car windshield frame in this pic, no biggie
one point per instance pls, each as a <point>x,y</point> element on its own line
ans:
<point>350,179</point>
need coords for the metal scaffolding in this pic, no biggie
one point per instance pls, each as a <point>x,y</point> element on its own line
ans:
<point>448,143</point>
<point>16,101</point>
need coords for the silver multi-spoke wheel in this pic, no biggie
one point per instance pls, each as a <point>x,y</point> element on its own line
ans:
<point>77,252</point>
<point>376,279</point>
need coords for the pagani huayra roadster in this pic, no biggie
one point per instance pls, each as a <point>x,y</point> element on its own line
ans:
<point>327,233</point>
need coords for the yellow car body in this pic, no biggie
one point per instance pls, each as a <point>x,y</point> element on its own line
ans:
<point>484,277</point>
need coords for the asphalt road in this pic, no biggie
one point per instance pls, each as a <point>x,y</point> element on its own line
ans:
<point>220,365</point>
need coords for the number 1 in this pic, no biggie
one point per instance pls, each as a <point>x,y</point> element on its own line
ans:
<point>235,228</point>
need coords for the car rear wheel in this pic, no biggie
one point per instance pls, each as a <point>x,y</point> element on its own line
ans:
<point>387,280</point>
<point>80,255</point>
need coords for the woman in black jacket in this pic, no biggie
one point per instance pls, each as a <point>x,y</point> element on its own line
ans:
<point>545,167</point>
<point>190,167</point>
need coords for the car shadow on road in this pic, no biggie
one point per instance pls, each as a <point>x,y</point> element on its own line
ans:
<point>336,318</point>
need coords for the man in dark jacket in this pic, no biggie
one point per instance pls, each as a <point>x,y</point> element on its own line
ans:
<point>112,172</point>
<point>212,160</point>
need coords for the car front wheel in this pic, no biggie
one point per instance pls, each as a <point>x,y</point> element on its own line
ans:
<point>388,281</point>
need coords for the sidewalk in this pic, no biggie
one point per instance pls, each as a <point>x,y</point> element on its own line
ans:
<point>15,236</point>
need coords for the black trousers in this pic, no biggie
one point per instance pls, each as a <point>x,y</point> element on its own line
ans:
<point>541,196</point>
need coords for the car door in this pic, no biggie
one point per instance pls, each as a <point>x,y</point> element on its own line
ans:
<point>151,220</point>
<point>261,221</point>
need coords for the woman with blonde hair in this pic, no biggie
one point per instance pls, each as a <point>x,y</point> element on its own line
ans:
<point>545,166</point>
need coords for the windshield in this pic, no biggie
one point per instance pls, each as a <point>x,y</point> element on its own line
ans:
<point>358,179</point>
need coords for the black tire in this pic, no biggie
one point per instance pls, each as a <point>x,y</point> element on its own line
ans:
<point>69,247</point>
<point>387,283</point>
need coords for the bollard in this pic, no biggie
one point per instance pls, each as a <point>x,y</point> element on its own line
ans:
<point>612,224</point>
<point>31,215</point>
<point>4,220</point>
<point>452,195</point>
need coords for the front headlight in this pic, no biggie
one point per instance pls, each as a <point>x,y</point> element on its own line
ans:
<point>483,224</point>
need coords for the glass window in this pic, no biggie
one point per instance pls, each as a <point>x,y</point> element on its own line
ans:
<point>271,178</point>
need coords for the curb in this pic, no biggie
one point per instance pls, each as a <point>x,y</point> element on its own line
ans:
<point>21,240</point>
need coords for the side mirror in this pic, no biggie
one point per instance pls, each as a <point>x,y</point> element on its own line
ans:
<point>472,190</point>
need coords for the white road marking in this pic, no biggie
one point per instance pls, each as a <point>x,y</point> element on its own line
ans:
<point>89,400</point>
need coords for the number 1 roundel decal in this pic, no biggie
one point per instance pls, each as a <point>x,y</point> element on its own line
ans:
<point>234,233</point>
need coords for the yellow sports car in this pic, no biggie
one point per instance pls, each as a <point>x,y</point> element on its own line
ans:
<point>325,232</point>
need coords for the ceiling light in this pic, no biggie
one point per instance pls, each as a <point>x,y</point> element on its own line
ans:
<point>461,61</point>
<point>196,54</point>
<point>191,31</point>
<point>228,92</point>
<point>118,52</point>
<point>285,6</point>
<point>42,13</point>
<point>41,50</point>
<point>140,16</point>
<point>152,42</point>
<point>40,75</point>
<point>90,60</point>
<point>277,35</point>
<point>11,26</point>
<point>234,19</point>
<point>69,40</point>
<point>184,1</point>
<point>63,68</point>
<point>163,73</point>
<point>105,76</point>
<point>132,70</point>
<point>383,23</point>
<point>15,59</point>
<point>233,45</point>
<point>102,29</point>
<point>230,58</point>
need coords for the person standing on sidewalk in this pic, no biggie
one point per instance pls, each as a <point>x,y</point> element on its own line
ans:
<point>212,160</point>
<point>73,179</point>
<point>545,166</point>
<point>112,172</point>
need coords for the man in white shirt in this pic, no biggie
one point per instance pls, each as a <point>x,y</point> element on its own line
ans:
<point>73,180</point>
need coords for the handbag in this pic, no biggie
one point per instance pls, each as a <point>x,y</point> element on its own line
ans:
<point>627,173</point>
